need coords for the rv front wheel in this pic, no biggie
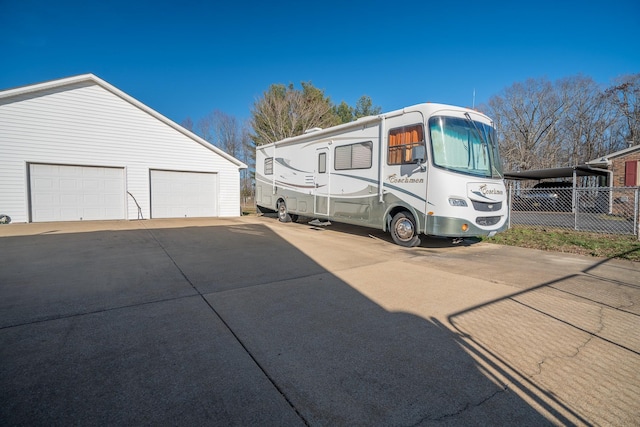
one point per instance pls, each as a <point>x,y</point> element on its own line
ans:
<point>283,214</point>
<point>403,230</point>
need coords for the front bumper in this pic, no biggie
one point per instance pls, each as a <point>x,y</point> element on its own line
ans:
<point>453,227</point>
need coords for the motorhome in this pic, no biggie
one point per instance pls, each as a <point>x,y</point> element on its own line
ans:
<point>428,169</point>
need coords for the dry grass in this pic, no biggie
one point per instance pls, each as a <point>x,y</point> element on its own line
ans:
<point>569,241</point>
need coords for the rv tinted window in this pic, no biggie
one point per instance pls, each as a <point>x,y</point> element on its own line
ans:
<point>354,156</point>
<point>268,166</point>
<point>322,163</point>
<point>401,143</point>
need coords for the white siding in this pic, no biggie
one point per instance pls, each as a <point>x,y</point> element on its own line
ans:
<point>86,124</point>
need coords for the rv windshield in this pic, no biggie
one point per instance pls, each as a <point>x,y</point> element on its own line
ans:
<point>465,146</point>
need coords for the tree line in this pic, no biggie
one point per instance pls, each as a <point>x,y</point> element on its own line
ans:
<point>543,124</point>
<point>540,124</point>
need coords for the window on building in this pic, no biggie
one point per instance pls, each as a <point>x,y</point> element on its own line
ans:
<point>354,156</point>
<point>401,143</point>
<point>268,166</point>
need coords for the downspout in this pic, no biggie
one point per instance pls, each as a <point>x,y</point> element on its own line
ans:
<point>140,216</point>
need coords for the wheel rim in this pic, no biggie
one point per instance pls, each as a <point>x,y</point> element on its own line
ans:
<point>404,229</point>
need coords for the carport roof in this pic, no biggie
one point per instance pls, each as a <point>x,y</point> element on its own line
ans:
<point>565,172</point>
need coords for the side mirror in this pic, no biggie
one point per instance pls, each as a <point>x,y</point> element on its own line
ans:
<point>419,156</point>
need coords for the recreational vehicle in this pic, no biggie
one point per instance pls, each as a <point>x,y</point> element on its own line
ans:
<point>428,169</point>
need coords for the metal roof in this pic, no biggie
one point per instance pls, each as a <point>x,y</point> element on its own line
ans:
<point>565,172</point>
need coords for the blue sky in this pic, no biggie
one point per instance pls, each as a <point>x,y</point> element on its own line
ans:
<point>187,58</point>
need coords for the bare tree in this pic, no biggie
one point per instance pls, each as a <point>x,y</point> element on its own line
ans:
<point>221,130</point>
<point>585,120</point>
<point>205,128</point>
<point>572,121</point>
<point>227,133</point>
<point>526,115</point>
<point>187,124</point>
<point>624,96</point>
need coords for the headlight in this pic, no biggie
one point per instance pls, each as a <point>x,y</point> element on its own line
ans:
<point>457,202</point>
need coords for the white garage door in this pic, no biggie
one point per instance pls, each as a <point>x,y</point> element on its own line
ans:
<point>183,194</point>
<point>74,193</point>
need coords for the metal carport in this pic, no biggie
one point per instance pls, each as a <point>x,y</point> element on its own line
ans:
<point>564,172</point>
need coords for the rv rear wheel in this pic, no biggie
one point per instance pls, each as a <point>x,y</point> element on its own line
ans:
<point>283,214</point>
<point>403,230</point>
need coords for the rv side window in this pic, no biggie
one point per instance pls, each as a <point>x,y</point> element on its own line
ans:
<point>354,156</point>
<point>401,143</point>
<point>268,166</point>
<point>322,163</point>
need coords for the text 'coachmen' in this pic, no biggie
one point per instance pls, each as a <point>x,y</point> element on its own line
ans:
<point>393,179</point>
<point>486,190</point>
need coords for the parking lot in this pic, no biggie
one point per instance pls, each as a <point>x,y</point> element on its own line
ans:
<point>249,321</point>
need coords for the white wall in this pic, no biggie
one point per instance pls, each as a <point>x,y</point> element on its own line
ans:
<point>85,124</point>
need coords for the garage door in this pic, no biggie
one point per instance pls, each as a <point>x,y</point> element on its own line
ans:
<point>74,193</point>
<point>183,194</point>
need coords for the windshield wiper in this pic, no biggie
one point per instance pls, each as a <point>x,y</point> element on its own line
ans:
<point>485,143</point>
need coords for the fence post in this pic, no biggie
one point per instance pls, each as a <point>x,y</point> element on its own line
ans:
<point>574,205</point>
<point>635,213</point>
<point>510,203</point>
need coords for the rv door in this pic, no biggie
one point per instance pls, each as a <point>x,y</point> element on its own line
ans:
<point>321,180</point>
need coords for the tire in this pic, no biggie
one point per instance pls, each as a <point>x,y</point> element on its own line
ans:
<point>283,213</point>
<point>403,230</point>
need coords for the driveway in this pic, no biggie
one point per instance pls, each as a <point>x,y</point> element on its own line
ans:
<point>252,322</point>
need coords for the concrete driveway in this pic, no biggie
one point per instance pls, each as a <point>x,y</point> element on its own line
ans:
<point>251,322</point>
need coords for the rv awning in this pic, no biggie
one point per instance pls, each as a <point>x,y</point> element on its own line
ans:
<point>566,172</point>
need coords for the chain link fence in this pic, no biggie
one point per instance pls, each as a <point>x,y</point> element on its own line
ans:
<point>593,209</point>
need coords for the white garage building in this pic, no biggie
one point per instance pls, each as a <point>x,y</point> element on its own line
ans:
<point>80,149</point>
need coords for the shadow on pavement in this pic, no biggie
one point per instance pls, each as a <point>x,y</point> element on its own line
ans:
<point>571,339</point>
<point>338,227</point>
<point>220,325</point>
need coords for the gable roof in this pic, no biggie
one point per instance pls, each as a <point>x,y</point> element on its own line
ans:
<point>604,160</point>
<point>90,78</point>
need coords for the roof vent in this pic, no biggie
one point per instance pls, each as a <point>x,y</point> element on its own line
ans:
<point>312,130</point>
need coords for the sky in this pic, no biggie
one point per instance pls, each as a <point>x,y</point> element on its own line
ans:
<point>188,58</point>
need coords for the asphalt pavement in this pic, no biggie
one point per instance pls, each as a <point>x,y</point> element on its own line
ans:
<point>249,321</point>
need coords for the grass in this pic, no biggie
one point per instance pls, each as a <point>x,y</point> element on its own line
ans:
<point>569,241</point>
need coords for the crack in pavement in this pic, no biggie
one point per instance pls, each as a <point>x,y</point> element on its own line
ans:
<point>468,406</point>
<point>590,337</point>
